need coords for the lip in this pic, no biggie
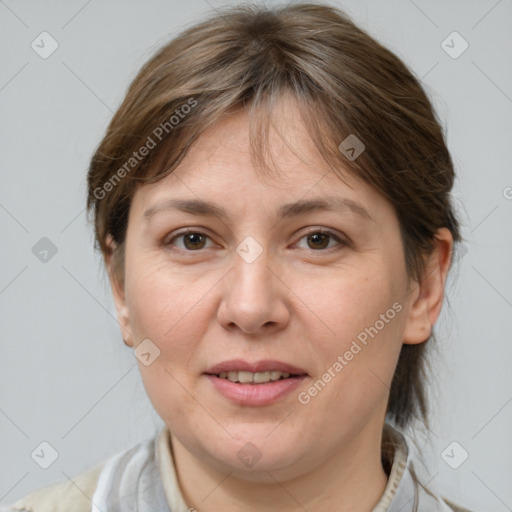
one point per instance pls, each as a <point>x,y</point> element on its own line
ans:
<point>254,367</point>
<point>248,394</point>
<point>265,393</point>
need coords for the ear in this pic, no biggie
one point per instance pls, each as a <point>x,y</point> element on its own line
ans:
<point>114,263</point>
<point>427,296</point>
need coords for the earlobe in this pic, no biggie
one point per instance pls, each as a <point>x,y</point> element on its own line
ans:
<point>123,320</point>
<point>117,286</point>
<point>426,298</point>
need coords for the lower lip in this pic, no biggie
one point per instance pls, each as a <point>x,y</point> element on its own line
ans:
<point>255,394</point>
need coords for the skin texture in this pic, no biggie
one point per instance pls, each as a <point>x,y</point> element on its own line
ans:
<point>301,301</point>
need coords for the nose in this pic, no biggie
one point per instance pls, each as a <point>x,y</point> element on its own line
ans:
<point>254,299</point>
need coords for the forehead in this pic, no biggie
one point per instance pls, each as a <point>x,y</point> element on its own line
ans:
<point>219,167</point>
<point>288,155</point>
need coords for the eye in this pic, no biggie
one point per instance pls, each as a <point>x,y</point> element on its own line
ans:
<point>317,240</point>
<point>192,240</point>
<point>321,239</point>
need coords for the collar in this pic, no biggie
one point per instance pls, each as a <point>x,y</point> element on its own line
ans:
<point>399,464</point>
<point>144,478</point>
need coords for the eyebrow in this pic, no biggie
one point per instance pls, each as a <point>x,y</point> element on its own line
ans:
<point>301,207</point>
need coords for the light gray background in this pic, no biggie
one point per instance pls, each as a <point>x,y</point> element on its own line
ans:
<point>65,376</point>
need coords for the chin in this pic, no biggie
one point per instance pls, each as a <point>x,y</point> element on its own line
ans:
<point>252,458</point>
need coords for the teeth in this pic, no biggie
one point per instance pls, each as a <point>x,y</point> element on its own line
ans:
<point>261,377</point>
<point>253,378</point>
<point>244,377</point>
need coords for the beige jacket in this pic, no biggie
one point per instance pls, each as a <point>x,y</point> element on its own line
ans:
<point>144,478</point>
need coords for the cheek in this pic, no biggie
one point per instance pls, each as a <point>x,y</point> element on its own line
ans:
<point>170,314</point>
<point>357,300</point>
<point>366,318</point>
<point>169,308</point>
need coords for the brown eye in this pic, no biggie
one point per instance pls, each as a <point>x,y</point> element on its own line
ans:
<point>319,240</point>
<point>191,241</point>
<point>194,241</point>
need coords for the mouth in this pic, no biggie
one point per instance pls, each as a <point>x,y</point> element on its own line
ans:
<point>244,377</point>
<point>257,372</point>
<point>257,383</point>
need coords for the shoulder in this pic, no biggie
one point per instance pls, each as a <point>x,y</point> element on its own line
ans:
<point>73,495</point>
<point>115,474</point>
<point>405,481</point>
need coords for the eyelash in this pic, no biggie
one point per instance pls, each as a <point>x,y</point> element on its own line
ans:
<point>341,242</point>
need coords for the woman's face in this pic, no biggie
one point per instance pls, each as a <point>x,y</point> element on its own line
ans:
<point>228,272</point>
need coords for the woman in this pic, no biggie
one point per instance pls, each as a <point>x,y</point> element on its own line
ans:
<point>272,201</point>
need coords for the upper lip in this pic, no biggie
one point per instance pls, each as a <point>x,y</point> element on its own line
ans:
<point>254,367</point>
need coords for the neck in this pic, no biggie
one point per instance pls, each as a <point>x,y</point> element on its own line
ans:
<point>350,480</point>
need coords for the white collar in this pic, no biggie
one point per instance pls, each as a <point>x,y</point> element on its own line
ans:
<point>144,478</point>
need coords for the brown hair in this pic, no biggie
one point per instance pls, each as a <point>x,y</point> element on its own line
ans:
<point>345,83</point>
